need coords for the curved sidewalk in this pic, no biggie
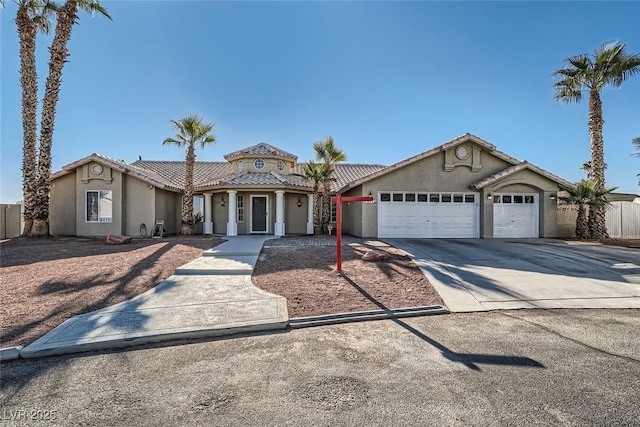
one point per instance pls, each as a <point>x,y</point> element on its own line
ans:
<point>210,296</point>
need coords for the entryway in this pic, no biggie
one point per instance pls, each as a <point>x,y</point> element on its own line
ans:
<point>259,214</point>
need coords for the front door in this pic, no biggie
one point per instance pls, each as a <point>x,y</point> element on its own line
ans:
<point>259,214</point>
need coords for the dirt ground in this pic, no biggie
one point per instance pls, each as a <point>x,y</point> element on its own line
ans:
<point>306,276</point>
<point>46,281</point>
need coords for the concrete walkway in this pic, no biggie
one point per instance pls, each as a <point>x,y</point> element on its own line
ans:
<point>210,296</point>
<point>503,274</point>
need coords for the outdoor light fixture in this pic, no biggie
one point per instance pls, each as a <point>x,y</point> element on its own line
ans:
<point>299,202</point>
<point>552,197</point>
<point>222,201</point>
<point>489,196</point>
<point>371,195</point>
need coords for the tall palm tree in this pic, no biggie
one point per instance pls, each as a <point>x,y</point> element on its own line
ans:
<point>315,173</point>
<point>328,154</point>
<point>609,65</point>
<point>191,130</point>
<point>32,16</point>
<point>67,16</point>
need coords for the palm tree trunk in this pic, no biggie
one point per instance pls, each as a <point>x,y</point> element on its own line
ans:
<point>582,229</point>
<point>187,199</point>
<point>597,225</point>
<point>326,207</point>
<point>317,228</point>
<point>27,31</point>
<point>66,18</point>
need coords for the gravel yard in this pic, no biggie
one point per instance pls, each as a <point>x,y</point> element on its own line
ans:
<point>304,271</point>
<point>46,281</point>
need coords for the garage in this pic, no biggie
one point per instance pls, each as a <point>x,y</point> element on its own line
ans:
<point>428,215</point>
<point>516,216</point>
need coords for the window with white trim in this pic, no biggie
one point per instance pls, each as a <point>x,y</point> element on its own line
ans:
<point>99,206</point>
<point>258,164</point>
<point>240,207</point>
<point>333,211</point>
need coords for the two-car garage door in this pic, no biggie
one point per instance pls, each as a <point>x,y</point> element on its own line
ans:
<point>428,215</point>
<point>455,215</point>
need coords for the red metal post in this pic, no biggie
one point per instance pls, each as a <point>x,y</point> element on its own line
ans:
<point>339,231</point>
<point>338,199</point>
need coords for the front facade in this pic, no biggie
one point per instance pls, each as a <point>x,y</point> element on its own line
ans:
<point>465,188</point>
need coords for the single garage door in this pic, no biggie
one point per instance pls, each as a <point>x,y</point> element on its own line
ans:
<point>516,215</point>
<point>428,215</point>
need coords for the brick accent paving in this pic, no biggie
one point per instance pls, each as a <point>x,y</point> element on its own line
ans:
<point>320,241</point>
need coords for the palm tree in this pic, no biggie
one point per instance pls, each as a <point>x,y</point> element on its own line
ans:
<point>191,130</point>
<point>580,196</point>
<point>598,203</point>
<point>67,16</point>
<point>32,16</point>
<point>609,65</point>
<point>328,154</point>
<point>315,173</point>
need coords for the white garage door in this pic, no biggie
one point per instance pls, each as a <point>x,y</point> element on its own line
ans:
<point>428,215</point>
<point>515,215</point>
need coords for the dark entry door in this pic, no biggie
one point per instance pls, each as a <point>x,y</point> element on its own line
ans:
<point>259,214</point>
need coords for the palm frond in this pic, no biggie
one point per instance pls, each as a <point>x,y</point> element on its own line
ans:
<point>94,7</point>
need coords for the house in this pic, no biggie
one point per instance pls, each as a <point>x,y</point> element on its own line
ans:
<point>464,188</point>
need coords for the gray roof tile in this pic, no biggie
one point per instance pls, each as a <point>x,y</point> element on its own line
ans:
<point>261,149</point>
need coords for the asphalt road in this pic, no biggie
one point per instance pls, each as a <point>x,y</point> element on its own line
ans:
<point>534,368</point>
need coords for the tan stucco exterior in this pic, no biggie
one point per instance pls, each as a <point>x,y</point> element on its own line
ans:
<point>62,209</point>
<point>140,199</point>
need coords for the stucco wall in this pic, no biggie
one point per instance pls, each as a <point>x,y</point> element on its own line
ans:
<point>221,216</point>
<point>139,202</point>
<point>63,206</point>
<point>295,217</point>
<point>168,206</point>
<point>352,213</point>
<point>10,221</point>
<point>567,216</point>
<point>95,183</point>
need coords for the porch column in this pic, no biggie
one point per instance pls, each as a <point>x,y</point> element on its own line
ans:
<point>309,213</point>
<point>208,224</point>
<point>279,229</point>
<point>232,225</point>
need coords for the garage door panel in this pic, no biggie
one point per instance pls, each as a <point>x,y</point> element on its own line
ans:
<point>416,219</point>
<point>516,220</point>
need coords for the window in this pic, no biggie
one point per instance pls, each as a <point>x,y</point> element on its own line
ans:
<point>517,199</point>
<point>469,198</point>
<point>258,163</point>
<point>434,198</point>
<point>422,198</point>
<point>410,197</point>
<point>528,199</point>
<point>240,207</point>
<point>385,197</point>
<point>398,197</point>
<point>446,198</point>
<point>506,199</point>
<point>280,165</point>
<point>496,199</point>
<point>333,211</point>
<point>457,198</point>
<point>99,206</point>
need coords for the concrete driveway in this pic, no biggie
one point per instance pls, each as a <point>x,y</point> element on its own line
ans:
<point>480,275</point>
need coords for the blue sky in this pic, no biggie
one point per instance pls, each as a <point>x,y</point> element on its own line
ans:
<point>387,80</point>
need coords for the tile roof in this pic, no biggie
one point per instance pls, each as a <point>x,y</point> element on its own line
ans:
<point>262,149</point>
<point>120,165</point>
<point>174,171</point>
<point>517,168</point>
